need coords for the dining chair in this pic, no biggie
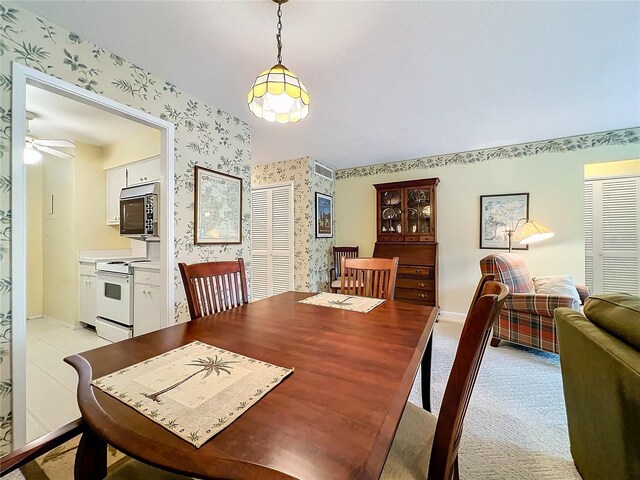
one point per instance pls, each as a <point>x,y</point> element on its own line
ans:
<point>426,446</point>
<point>369,277</point>
<point>214,287</point>
<point>334,272</point>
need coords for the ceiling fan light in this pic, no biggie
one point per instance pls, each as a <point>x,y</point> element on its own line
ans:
<point>31,155</point>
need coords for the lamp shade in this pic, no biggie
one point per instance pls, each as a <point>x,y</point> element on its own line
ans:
<point>278,96</point>
<point>531,232</point>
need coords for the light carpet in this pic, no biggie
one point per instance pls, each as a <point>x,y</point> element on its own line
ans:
<point>516,425</point>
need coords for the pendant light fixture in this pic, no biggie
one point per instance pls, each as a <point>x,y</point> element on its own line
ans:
<point>277,95</point>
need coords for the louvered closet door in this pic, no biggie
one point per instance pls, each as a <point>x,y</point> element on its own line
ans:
<point>612,232</point>
<point>271,241</point>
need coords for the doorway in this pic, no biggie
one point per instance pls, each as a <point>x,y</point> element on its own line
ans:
<point>25,78</point>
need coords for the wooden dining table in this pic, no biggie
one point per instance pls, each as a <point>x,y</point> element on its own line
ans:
<point>334,418</point>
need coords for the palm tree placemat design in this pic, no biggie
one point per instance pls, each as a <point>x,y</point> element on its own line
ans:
<point>343,302</point>
<point>194,391</point>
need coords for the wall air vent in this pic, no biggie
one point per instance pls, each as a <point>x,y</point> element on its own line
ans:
<point>323,171</point>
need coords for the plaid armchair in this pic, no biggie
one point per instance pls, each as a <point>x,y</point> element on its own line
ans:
<point>527,317</point>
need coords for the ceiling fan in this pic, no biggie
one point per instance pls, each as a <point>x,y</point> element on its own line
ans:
<point>35,146</point>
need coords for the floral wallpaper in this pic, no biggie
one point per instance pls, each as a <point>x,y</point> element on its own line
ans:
<point>312,256</point>
<point>321,249</point>
<point>204,136</point>
<point>557,145</point>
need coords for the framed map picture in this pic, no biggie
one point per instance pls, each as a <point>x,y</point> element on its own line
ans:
<point>500,214</point>
<point>324,215</point>
<point>218,207</point>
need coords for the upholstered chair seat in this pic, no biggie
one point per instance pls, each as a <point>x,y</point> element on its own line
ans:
<point>410,452</point>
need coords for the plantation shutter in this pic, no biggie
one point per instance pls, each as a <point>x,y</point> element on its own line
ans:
<point>259,244</point>
<point>588,234</point>
<point>271,241</point>
<point>615,234</point>
<point>282,240</point>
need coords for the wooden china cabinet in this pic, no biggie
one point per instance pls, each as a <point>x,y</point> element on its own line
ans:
<point>406,228</point>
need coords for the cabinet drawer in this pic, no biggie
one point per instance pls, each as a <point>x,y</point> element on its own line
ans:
<point>391,238</point>
<point>112,331</point>
<point>146,277</point>
<point>419,238</point>
<point>416,283</point>
<point>87,269</point>
<point>412,294</point>
<point>420,271</point>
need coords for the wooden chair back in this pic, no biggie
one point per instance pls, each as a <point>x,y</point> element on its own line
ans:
<point>473,342</point>
<point>338,253</point>
<point>214,286</point>
<point>369,277</point>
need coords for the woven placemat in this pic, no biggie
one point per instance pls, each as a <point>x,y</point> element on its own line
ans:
<point>194,391</point>
<point>343,302</point>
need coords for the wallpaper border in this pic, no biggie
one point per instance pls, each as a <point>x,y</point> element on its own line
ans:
<point>573,143</point>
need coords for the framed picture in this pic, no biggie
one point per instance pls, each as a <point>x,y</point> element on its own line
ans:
<point>498,215</point>
<point>324,215</point>
<point>218,207</point>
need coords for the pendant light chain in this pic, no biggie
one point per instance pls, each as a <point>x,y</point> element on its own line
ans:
<point>277,95</point>
<point>279,34</point>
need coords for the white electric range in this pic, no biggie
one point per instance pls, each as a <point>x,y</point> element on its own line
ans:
<point>114,302</point>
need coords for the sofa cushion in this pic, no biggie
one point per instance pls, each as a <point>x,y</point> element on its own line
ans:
<point>562,285</point>
<point>618,314</point>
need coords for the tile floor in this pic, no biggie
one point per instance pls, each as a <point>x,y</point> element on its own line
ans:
<point>51,383</point>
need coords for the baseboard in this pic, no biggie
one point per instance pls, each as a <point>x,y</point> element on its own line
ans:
<point>33,317</point>
<point>455,316</point>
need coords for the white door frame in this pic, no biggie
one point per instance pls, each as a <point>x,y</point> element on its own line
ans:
<point>23,76</point>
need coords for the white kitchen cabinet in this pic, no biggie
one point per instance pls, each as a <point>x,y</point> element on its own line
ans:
<point>144,171</point>
<point>116,181</point>
<point>146,301</point>
<point>87,294</point>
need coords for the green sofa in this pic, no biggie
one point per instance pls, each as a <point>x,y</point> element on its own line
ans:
<point>600,362</point>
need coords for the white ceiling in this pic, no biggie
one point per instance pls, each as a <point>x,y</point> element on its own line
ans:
<point>389,80</point>
<point>58,117</point>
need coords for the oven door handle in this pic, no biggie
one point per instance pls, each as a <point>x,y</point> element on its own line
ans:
<point>112,274</point>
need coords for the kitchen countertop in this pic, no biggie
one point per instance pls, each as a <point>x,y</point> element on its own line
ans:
<point>95,259</point>
<point>152,265</point>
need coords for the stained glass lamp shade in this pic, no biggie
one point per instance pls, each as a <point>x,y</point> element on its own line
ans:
<point>278,96</point>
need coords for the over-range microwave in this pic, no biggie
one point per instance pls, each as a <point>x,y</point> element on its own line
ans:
<point>139,212</point>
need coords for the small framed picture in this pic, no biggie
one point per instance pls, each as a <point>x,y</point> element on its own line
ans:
<point>218,207</point>
<point>324,215</point>
<point>500,214</point>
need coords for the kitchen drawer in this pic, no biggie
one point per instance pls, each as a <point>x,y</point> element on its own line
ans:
<point>417,283</point>
<point>413,294</point>
<point>413,271</point>
<point>112,331</point>
<point>146,277</point>
<point>87,269</point>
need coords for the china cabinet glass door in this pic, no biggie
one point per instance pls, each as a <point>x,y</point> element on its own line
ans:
<point>419,210</point>
<point>390,211</point>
